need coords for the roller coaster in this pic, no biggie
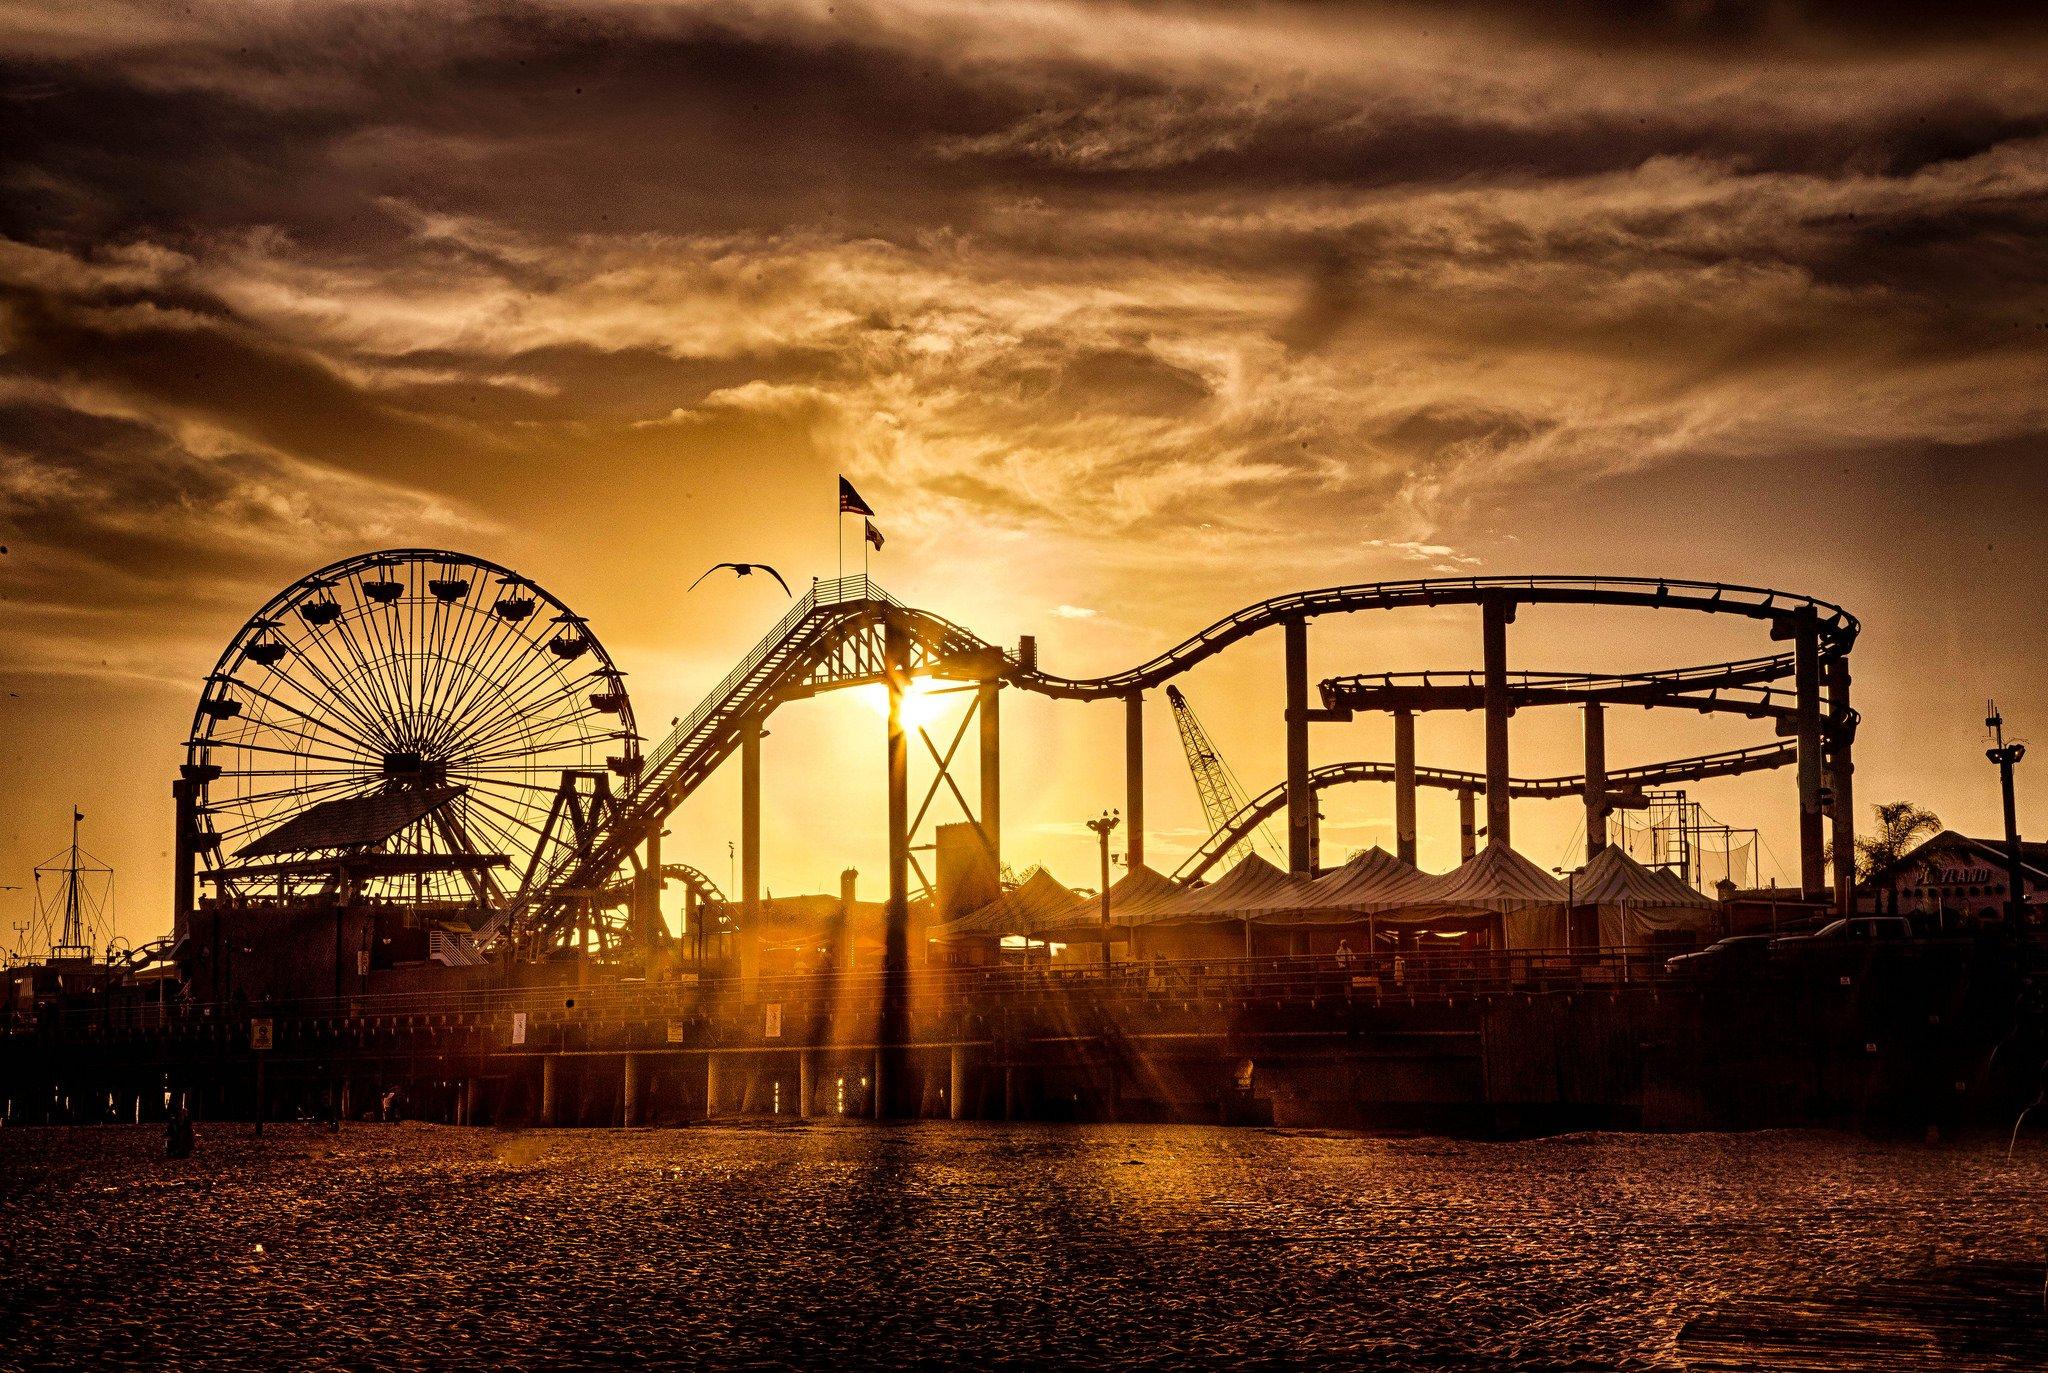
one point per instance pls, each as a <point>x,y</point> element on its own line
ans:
<point>427,736</point>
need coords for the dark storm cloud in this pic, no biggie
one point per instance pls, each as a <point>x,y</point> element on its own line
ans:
<point>1096,271</point>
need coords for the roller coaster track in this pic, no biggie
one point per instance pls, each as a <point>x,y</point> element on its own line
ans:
<point>1835,626</point>
<point>1740,688</point>
<point>1729,763</point>
<point>830,638</point>
<point>620,891</point>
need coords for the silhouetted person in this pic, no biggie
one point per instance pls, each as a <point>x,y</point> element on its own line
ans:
<point>178,1134</point>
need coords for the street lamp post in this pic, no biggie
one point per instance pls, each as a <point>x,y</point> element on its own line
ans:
<point>1571,878</point>
<point>2006,755</point>
<point>1102,827</point>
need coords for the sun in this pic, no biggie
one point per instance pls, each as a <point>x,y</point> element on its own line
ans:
<point>923,701</point>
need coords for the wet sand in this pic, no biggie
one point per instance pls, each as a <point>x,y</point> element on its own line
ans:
<point>417,1247</point>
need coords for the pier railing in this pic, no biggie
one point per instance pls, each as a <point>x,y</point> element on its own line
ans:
<point>1284,981</point>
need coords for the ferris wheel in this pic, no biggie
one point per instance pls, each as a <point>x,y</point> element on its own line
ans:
<point>412,712</point>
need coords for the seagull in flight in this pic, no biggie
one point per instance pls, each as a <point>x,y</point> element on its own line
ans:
<point>746,570</point>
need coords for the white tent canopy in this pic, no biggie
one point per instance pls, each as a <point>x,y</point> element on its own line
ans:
<point>1142,895</point>
<point>1371,883</point>
<point>1038,905</point>
<point>1636,901</point>
<point>1252,889</point>
<point>1498,880</point>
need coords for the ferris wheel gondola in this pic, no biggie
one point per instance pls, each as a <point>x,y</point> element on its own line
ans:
<point>418,704</point>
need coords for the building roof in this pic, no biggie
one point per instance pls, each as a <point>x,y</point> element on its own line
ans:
<point>350,822</point>
<point>1991,852</point>
<point>1613,878</point>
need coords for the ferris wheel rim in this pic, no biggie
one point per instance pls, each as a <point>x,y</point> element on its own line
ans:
<point>336,775</point>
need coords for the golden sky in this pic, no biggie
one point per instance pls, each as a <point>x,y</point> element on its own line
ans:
<point>1122,315</point>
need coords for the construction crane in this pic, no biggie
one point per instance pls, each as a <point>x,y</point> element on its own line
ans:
<point>1222,796</point>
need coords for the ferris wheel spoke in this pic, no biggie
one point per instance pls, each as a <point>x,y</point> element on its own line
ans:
<point>520,821</point>
<point>253,730</point>
<point>285,752</point>
<point>503,838</point>
<point>474,629</point>
<point>463,734</point>
<point>503,781</point>
<point>544,758</point>
<point>324,690</point>
<point>345,700</point>
<point>496,772</point>
<point>512,661</point>
<point>462,641</point>
<point>483,656</point>
<point>538,690</point>
<point>349,680</point>
<point>460,697</point>
<point>539,716</point>
<point>367,749</point>
<point>292,772</point>
<point>485,683</point>
<point>366,639</point>
<point>363,786</point>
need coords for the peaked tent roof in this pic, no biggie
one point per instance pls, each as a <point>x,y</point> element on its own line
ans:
<point>1253,887</point>
<point>1039,903</point>
<point>1372,881</point>
<point>1497,879</point>
<point>1141,895</point>
<point>1613,878</point>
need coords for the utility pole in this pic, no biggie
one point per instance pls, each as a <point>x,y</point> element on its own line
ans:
<point>1102,827</point>
<point>2006,755</point>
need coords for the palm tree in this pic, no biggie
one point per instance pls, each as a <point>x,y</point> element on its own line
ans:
<point>1900,826</point>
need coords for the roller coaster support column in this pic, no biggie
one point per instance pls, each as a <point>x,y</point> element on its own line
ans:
<point>750,850</point>
<point>1497,612</point>
<point>1468,824</point>
<point>1134,779</point>
<point>1841,782</point>
<point>1301,801</point>
<point>889,1054</point>
<point>990,708</point>
<point>1806,729</point>
<point>1597,805</point>
<point>647,893</point>
<point>1404,785</point>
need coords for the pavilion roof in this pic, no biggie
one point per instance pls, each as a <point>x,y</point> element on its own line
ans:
<point>350,822</point>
